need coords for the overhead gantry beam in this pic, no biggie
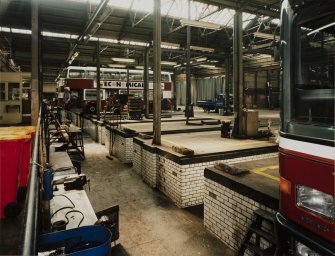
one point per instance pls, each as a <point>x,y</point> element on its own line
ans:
<point>100,14</point>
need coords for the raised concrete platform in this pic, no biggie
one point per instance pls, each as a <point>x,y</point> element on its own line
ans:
<point>181,177</point>
<point>229,201</point>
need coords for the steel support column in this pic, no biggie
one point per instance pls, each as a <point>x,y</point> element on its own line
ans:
<point>98,80</point>
<point>238,73</point>
<point>35,92</point>
<point>174,89</point>
<point>255,89</point>
<point>146,82</point>
<point>157,73</point>
<point>127,84</point>
<point>188,109</point>
<point>227,87</point>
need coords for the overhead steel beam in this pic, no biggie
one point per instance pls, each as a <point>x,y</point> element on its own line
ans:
<point>101,8</point>
<point>123,31</point>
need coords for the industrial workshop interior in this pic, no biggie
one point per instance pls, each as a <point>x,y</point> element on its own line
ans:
<point>167,127</point>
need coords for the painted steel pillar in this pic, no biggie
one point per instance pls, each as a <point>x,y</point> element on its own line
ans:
<point>238,73</point>
<point>174,89</point>
<point>146,82</point>
<point>98,81</point>
<point>227,83</point>
<point>157,73</point>
<point>127,84</point>
<point>35,34</point>
<point>188,107</point>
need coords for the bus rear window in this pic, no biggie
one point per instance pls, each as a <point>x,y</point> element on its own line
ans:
<point>91,74</point>
<point>111,75</point>
<point>73,73</point>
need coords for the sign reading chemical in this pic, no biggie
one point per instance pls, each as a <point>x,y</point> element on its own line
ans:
<point>123,85</point>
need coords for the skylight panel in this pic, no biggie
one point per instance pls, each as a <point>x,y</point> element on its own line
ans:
<point>123,4</point>
<point>247,18</point>
<point>275,21</point>
<point>223,17</point>
<point>143,6</point>
<point>178,9</point>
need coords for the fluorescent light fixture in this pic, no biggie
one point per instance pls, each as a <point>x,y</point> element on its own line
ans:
<point>75,55</point>
<point>168,45</point>
<point>200,24</point>
<point>177,66</point>
<point>202,49</point>
<point>116,66</point>
<point>21,31</point>
<point>321,28</point>
<point>139,67</point>
<point>266,35</point>
<point>200,59</point>
<point>212,61</point>
<point>126,60</point>
<point>4,29</point>
<point>169,63</point>
<point>207,66</point>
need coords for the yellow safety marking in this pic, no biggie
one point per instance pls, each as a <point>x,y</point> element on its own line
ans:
<point>261,171</point>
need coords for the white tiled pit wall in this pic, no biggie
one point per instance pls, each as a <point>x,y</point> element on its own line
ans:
<point>89,126</point>
<point>144,163</point>
<point>123,148</point>
<point>101,134</point>
<point>227,214</point>
<point>183,184</point>
<point>107,139</point>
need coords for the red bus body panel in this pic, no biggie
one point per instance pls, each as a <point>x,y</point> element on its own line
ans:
<point>313,172</point>
<point>75,83</point>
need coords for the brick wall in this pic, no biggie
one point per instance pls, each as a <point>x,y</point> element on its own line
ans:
<point>227,214</point>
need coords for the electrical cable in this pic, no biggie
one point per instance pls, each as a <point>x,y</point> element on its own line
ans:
<point>77,212</point>
<point>63,169</point>
<point>72,210</point>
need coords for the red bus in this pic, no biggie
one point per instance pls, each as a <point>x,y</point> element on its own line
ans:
<point>306,218</point>
<point>81,81</point>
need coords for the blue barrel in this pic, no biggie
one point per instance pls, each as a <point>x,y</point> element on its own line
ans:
<point>82,241</point>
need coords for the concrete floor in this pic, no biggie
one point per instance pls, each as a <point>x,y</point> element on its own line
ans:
<point>149,223</point>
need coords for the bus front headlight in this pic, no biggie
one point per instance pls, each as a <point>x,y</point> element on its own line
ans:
<point>315,201</point>
<point>303,250</point>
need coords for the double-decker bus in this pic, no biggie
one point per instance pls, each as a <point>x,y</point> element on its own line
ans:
<point>306,218</point>
<point>82,81</point>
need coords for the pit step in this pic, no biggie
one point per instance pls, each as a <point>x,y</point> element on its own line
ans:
<point>257,228</point>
